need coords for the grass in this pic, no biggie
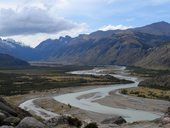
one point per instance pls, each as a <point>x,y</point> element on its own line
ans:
<point>148,93</point>
<point>16,81</point>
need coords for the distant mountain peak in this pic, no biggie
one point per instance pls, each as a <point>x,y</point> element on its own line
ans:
<point>65,39</point>
<point>158,24</point>
<point>11,42</point>
<point>158,28</point>
<point>161,22</point>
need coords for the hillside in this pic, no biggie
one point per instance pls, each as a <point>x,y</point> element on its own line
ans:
<point>158,57</point>
<point>9,61</point>
<point>159,82</point>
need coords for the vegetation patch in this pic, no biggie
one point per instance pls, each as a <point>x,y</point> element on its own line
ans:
<point>91,125</point>
<point>74,121</point>
<point>147,93</point>
<point>24,80</point>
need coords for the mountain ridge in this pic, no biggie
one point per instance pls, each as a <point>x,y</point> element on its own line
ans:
<point>121,47</point>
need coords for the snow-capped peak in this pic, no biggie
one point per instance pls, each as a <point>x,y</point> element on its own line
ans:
<point>10,43</point>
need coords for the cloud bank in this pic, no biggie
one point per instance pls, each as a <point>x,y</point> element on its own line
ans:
<point>32,20</point>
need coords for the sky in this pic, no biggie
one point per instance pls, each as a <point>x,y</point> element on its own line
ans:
<point>32,21</point>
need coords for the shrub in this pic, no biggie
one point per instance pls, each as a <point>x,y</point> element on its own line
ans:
<point>91,125</point>
<point>69,105</point>
<point>124,91</point>
<point>74,121</point>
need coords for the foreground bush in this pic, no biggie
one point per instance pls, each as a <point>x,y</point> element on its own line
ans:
<point>91,125</point>
<point>74,122</point>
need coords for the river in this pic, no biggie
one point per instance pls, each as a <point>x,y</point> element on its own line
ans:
<point>89,103</point>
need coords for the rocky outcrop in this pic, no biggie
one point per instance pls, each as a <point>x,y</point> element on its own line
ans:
<point>13,121</point>
<point>7,109</point>
<point>12,116</point>
<point>56,121</point>
<point>63,119</point>
<point>30,122</point>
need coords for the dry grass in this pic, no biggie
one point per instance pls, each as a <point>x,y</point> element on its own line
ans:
<point>71,78</point>
<point>148,93</point>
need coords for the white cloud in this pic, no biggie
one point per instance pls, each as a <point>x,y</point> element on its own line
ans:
<point>114,27</point>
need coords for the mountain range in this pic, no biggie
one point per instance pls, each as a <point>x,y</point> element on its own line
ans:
<point>142,46</point>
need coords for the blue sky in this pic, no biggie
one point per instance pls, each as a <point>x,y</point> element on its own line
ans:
<point>31,21</point>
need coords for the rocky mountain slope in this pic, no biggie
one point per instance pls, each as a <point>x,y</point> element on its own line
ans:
<point>9,61</point>
<point>123,47</point>
<point>157,57</point>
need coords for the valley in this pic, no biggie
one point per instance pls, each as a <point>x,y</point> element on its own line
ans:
<point>84,64</point>
<point>94,93</point>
